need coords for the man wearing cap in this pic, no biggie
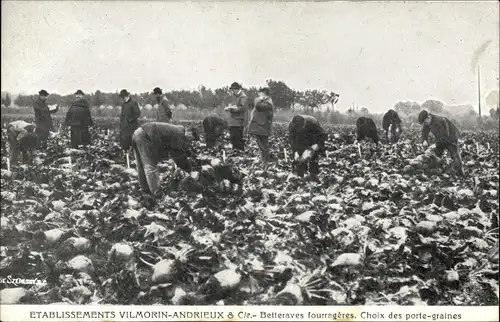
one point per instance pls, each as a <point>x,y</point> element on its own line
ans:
<point>213,127</point>
<point>164,113</point>
<point>157,141</point>
<point>238,118</point>
<point>129,119</point>
<point>261,121</point>
<point>43,120</point>
<point>446,136</point>
<point>391,120</point>
<point>79,119</point>
<point>307,139</point>
<point>21,139</point>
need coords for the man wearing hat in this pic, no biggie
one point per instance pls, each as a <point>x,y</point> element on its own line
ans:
<point>164,113</point>
<point>157,141</point>
<point>238,118</point>
<point>43,120</point>
<point>129,119</point>
<point>261,122</point>
<point>446,136</point>
<point>79,119</point>
<point>21,139</point>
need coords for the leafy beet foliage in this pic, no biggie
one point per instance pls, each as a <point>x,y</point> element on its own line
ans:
<point>377,229</point>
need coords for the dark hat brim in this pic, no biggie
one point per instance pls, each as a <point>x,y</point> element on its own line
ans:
<point>124,93</point>
<point>235,85</point>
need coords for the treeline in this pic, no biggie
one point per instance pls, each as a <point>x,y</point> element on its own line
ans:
<point>438,107</point>
<point>283,96</point>
<point>195,104</point>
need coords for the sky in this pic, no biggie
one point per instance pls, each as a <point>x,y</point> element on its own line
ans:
<point>372,53</point>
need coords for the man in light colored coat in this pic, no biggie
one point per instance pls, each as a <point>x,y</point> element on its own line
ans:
<point>164,113</point>
<point>129,119</point>
<point>238,118</point>
<point>21,140</point>
<point>261,121</point>
<point>157,141</point>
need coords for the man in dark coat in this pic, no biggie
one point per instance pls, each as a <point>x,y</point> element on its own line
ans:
<point>307,139</point>
<point>164,113</point>
<point>129,119</point>
<point>157,141</point>
<point>21,139</point>
<point>79,119</point>
<point>446,136</point>
<point>391,119</point>
<point>214,127</point>
<point>238,119</point>
<point>43,120</point>
<point>261,121</point>
<point>365,127</point>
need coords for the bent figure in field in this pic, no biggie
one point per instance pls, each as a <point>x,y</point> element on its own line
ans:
<point>238,118</point>
<point>129,119</point>
<point>261,122</point>
<point>164,113</point>
<point>391,120</point>
<point>307,139</point>
<point>79,119</point>
<point>365,127</point>
<point>22,139</point>
<point>446,137</point>
<point>213,127</point>
<point>43,120</point>
<point>157,141</point>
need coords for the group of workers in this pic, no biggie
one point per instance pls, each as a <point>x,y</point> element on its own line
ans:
<point>444,131</point>
<point>156,141</point>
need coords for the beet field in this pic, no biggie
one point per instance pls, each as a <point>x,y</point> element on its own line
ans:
<point>383,227</point>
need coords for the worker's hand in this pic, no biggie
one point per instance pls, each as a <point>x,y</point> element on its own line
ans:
<point>425,144</point>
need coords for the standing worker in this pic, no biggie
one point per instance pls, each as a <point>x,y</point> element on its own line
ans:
<point>129,119</point>
<point>157,141</point>
<point>164,113</point>
<point>261,122</point>
<point>213,127</point>
<point>391,120</point>
<point>43,120</point>
<point>238,118</point>
<point>79,119</point>
<point>21,139</point>
<point>446,135</point>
